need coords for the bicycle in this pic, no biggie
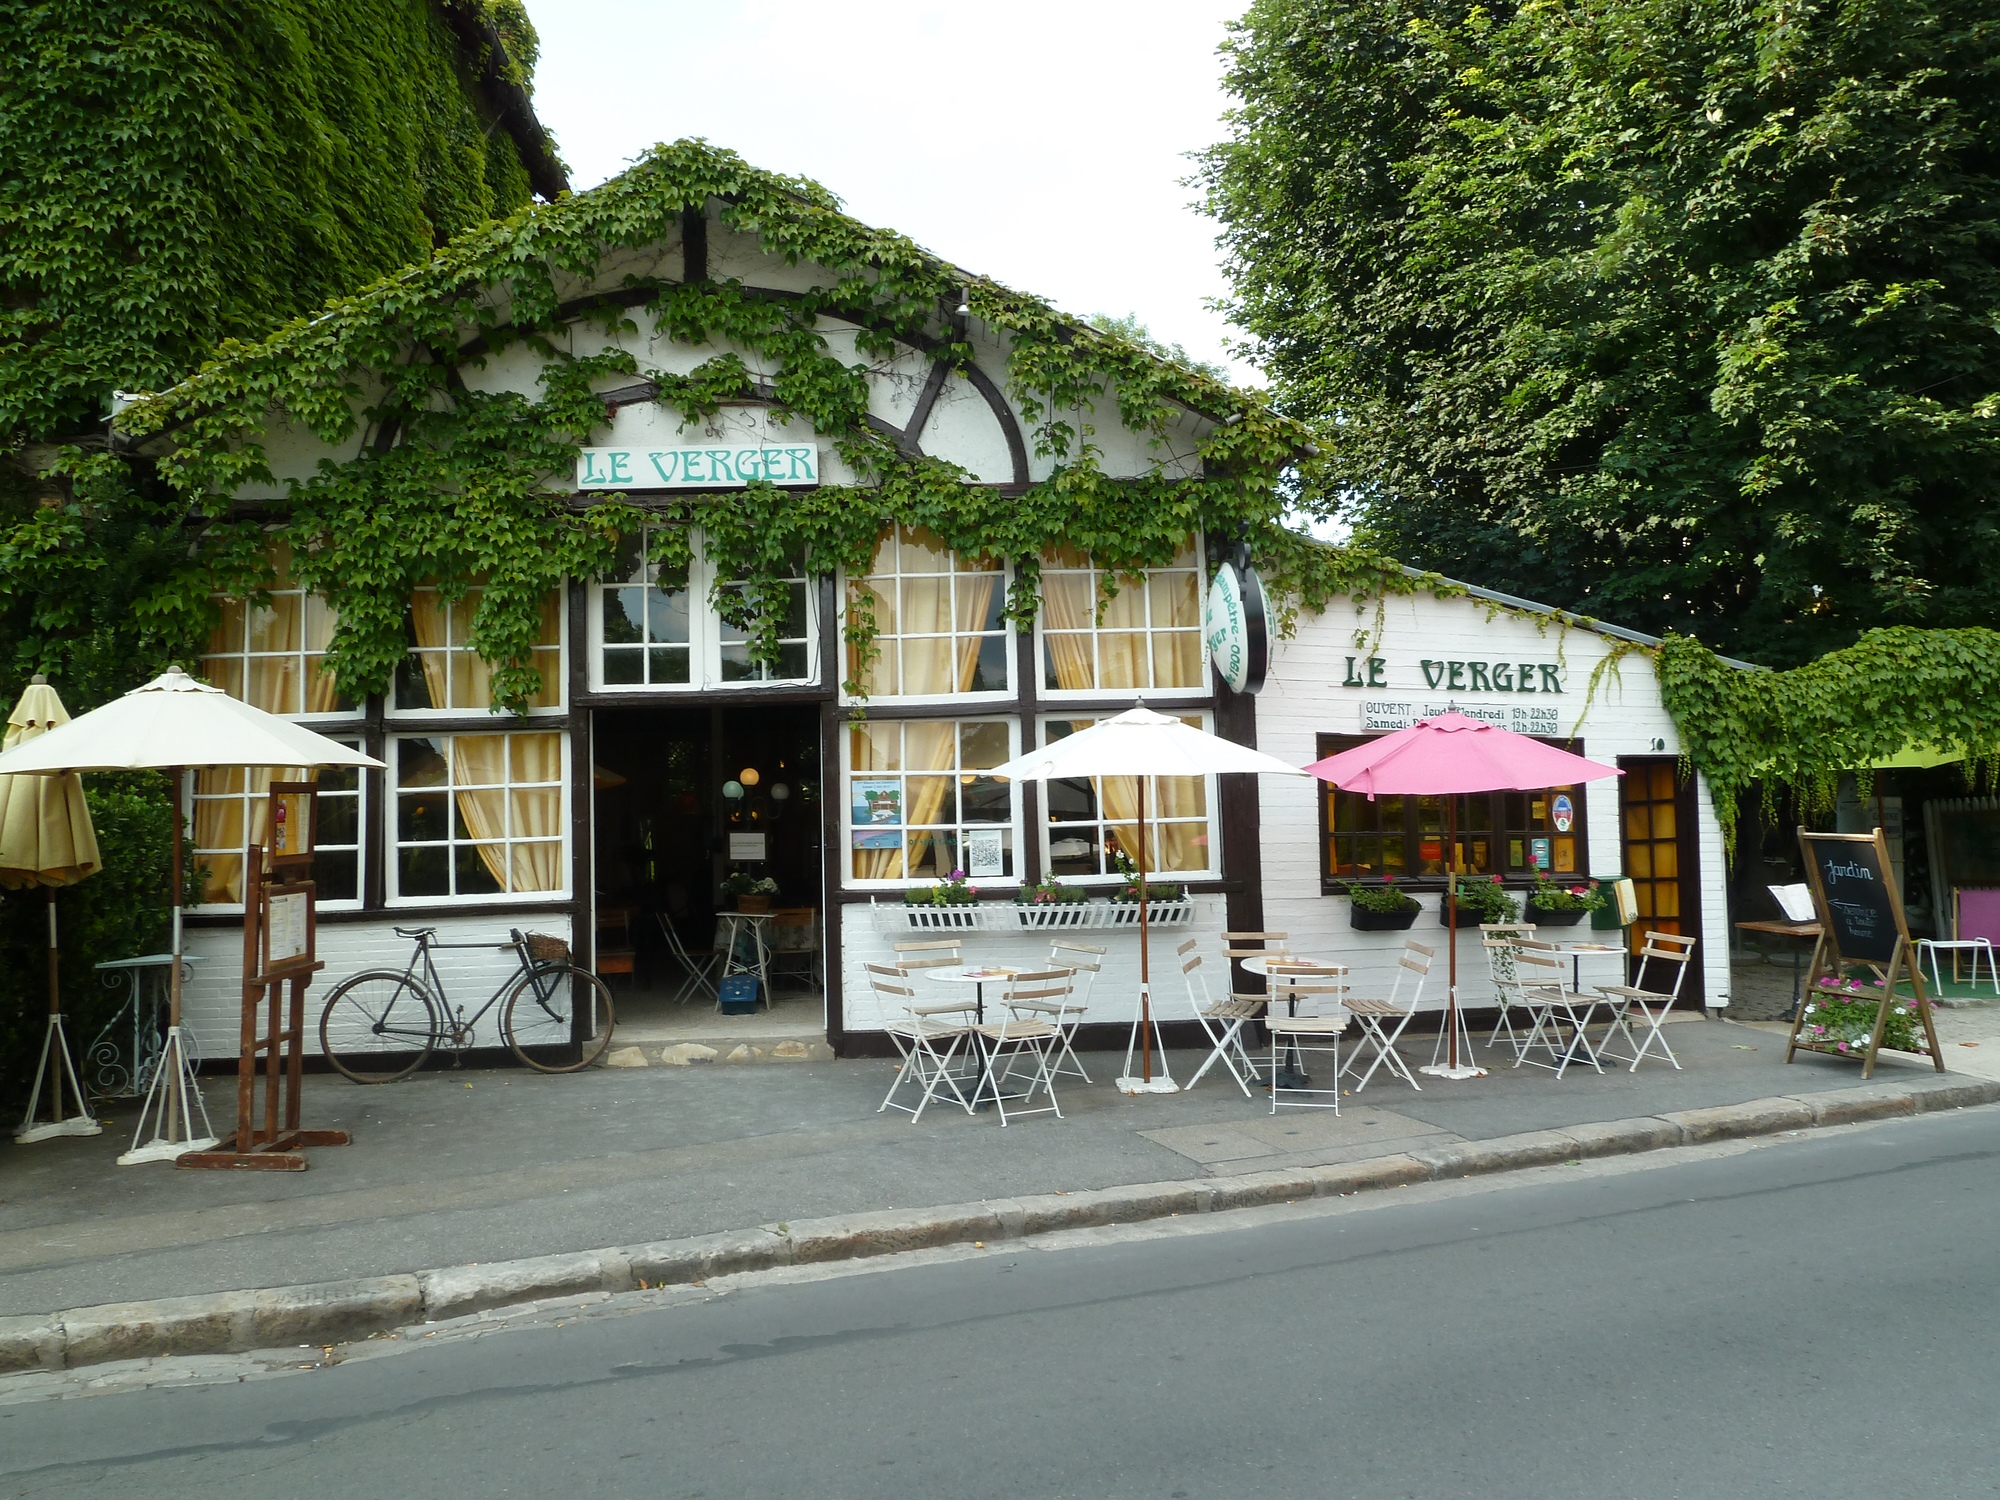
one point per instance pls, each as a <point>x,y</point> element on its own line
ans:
<point>379,1025</point>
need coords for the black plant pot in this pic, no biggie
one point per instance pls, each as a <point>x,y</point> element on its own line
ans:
<point>1364,920</point>
<point>1541,916</point>
<point>1468,916</point>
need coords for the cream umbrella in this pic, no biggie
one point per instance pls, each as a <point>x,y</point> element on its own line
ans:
<point>46,840</point>
<point>171,724</point>
<point>1139,743</point>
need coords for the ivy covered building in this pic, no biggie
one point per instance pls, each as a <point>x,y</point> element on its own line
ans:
<point>687,528</point>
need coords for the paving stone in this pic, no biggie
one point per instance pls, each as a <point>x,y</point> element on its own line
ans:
<point>686,1054</point>
<point>626,1057</point>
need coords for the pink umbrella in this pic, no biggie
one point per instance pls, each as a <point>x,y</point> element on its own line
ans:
<point>1443,757</point>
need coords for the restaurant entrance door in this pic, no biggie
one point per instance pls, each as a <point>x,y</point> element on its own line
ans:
<point>682,798</point>
<point>1657,832</point>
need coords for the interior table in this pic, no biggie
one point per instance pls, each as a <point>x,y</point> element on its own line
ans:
<point>759,962</point>
<point>1790,930</point>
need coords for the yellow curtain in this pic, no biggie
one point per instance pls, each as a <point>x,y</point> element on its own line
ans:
<point>927,748</point>
<point>1068,603</point>
<point>537,811</point>
<point>219,823</point>
<point>1121,638</point>
<point>1176,616</point>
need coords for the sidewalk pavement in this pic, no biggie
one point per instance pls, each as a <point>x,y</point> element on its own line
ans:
<point>459,1167</point>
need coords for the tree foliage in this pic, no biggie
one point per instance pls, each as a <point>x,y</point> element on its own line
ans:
<point>1684,313</point>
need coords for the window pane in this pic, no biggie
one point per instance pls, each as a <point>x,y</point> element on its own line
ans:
<point>424,871</point>
<point>982,745</point>
<point>669,664</point>
<point>624,668</point>
<point>623,615</point>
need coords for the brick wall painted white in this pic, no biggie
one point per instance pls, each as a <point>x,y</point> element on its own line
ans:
<point>211,999</point>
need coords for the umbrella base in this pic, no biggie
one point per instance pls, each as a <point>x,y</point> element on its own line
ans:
<point>27,1135</point>
<point>1147,1086</point>
<point>164,1151</point>
<point>173,1104</point>
<point>1444,1070</point>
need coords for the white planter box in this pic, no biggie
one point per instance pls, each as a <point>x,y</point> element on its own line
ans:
<point>970,918</point>
<point>1158,913</point>
<point>1070,914</point>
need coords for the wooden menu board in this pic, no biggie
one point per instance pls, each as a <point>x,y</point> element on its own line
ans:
<point>1862,925</point>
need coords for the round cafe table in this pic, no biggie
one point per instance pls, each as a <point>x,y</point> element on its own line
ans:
<point>1293,1075</point>
<point>978,978</point>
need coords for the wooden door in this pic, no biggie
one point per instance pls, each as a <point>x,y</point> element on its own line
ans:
<point>1657,831</point>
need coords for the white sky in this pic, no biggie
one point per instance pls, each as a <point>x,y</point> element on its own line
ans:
<point>1039,142</point>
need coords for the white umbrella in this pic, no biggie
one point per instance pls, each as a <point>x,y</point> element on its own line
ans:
<point>170,724</point>
<point>1140,743</point>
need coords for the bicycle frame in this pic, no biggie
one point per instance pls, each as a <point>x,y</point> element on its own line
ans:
<point>453,1032</point>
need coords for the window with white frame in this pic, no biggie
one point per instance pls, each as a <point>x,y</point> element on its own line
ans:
<point>1089,821</point>
<point>442,674</point>
<point>939,631</point>
<point>919,803</point>
<point>273,655</point>
<point>1148,638</point>
<point>477,815</point>
<point>232,807</point>
<point>652,623</point>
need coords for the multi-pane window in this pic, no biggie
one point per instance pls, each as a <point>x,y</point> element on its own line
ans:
<point>273,655</point>
<point>443,673</point>
<point>938,626</point>
<point>656,624</point>
<point>232,804</point>
<point>1513,834</point>
<point>477,814</point>
<point>1089,822</point>
<point>1147,639</point>
<point>644,639</point>
<point>790,604</point>
<point>918,806</point>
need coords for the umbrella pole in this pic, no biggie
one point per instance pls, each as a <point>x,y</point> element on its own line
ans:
<point>1451,901</point>
<point>1144,1083</point>
<point>173,1099</point>
<point>55,1067</point>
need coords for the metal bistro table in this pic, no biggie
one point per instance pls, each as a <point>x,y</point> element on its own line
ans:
<point>759,962</point>
<point>120,1080</point>
<point>1579,951</point>
<point>1791,930</point>
<point>1293,1075</point>
<point>978,978</point>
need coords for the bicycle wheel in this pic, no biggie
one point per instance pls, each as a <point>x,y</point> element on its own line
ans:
<point>539,1020</point>
<point>378,1026</point>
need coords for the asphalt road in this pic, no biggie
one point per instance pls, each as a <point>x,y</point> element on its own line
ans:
<point>1811,1317</point>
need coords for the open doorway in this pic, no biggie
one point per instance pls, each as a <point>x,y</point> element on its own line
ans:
<point>684,797</point>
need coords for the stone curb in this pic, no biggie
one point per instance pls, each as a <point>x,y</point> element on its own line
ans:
<point>337,1311</point>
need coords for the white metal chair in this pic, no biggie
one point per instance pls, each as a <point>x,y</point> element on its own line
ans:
<point>1061,1011</point>
<point>1553,1006</point>
<point>1650,1002</point>
<point>1381,1022</point>
<point>1022,1036</point>
<point>700,966</point>
<point>1498,939</point>
<point>943,954</point>
<point>918,1032</point>
<point>1294,1035</point>
<point>1084,960</point>
<point>1222,1019</point>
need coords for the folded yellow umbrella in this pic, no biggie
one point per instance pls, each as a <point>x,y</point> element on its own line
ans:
<point>46,840</point>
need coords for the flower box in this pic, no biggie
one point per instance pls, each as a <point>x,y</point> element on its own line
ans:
<point>1543,916</point>
<point>1055,914</point>
<point>961,918</point>
<point>1361,919</point>
<point>754,905</point>
<point>1468,916</point>
<point>1178,913</point>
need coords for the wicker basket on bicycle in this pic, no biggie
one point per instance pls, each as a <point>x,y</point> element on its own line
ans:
<point>543,949</point>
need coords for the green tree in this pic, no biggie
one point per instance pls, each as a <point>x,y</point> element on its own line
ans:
<point>1684,313</point>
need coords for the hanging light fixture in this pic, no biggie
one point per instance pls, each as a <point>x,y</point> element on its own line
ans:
<point>733,790</point>
<point>748,776</point>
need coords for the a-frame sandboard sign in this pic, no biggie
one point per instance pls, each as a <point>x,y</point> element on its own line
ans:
<point>1862,924</point>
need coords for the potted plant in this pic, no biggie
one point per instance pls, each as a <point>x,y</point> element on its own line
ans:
<point>1480,901</point>
<point>1840,1018</point>
<point>751,893</point>
<point>1552,905</point>
<point>1051,904</point>
<point>1381,908</point>
<point>952,902</point>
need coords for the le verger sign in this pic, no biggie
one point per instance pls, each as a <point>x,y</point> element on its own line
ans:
<point>727,466</point>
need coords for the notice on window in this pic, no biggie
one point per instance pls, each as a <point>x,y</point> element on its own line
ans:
<point>1538,852</point>
<point>285,928</point>
<point>747,846</point>
<point>985,853</point>
<point>877,802</point>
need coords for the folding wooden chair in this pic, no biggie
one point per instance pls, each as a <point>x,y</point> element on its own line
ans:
<point>700,964</point>
<point>1066,1014</point>
<point>1294,1035</point>
<point>1381,1022</point>
<point>943,954</point>
<point>1222,1019</point>
<point>918,1032</point>
<point>1552,1007</point>
<point>1498,939</point>
<point>1020,1036</point>
<point>1652,1003</point>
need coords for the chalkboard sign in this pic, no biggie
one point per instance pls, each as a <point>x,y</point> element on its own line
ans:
<point>1861,906</point>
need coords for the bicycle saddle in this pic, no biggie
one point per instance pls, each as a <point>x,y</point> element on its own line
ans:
<point>416,932</point>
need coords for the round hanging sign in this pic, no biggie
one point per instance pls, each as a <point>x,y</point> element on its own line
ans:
<point>1234,630</point>
<point>1564,812</point>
